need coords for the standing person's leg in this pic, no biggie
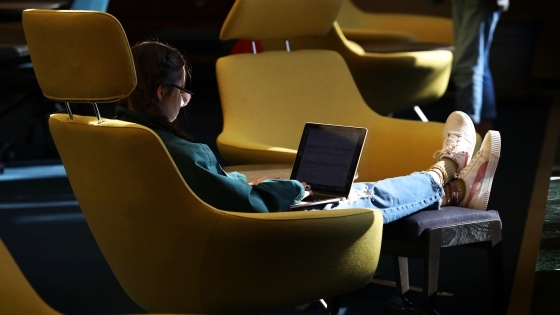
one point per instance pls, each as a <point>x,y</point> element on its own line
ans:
<point>488,111</point>
<point>469,58</point>
<point>488,96</point>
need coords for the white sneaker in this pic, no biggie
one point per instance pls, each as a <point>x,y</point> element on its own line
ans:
<point>479,173</point>
<point>459,139</point>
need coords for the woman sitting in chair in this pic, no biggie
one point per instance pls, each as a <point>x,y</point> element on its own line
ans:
<point>455,179</point>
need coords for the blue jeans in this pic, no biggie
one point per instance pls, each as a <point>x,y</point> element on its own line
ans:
<point>396,197</point>
<point>473,27</point>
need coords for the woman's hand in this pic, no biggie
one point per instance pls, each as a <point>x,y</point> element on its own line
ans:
<point>308,192</point>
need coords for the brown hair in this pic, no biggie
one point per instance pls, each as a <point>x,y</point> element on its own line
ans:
<point>156,64</point>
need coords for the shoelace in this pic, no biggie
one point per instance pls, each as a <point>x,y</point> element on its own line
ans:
<point>452,140</point>
<point>474,158</point>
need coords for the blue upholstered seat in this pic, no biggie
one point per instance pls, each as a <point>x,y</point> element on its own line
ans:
<point>413,226</point>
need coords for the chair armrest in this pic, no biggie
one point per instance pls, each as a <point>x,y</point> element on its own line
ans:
<point>369,35</point>
<point>422,75</point>
<point>388,82</point>
<point>266,256</point>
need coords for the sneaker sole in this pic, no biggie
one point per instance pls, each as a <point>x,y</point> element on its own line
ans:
<point>495,148</point>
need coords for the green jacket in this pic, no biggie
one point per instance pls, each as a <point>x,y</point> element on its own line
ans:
<point>204,175</point>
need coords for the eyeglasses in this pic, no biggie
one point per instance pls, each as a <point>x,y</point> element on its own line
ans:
<point>186,95</point>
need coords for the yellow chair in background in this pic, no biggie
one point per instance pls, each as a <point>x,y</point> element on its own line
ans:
<point>388,82</point>
<point>362,27</point>
<point>267,97</point>
<point>170,251</point>
<point>17,296</point>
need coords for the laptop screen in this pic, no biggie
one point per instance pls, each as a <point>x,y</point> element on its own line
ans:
<point>328,157</point>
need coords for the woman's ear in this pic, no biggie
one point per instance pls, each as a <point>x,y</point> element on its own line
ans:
<point>159,92</point>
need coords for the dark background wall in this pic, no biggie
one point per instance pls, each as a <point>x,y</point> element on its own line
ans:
<point>524,53</point>
<point>197,22</point>
<point>145,18</point>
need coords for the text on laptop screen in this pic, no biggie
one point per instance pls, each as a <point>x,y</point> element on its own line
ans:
<point>327,157</point>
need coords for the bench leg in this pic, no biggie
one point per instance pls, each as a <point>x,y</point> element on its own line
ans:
<point>402,281</point>
<point>432,249</point>
<point>497,278</point>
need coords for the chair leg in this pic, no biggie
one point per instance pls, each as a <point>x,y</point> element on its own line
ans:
<point>432,250</point>
<point>496,263</point>
<point>333,305</point>
<point>402,282</point>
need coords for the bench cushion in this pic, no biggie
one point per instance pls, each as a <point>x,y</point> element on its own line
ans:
<point>410,228</point>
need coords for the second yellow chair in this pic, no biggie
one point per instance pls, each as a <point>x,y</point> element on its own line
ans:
<point>267,97</point>
<point>388,82</point>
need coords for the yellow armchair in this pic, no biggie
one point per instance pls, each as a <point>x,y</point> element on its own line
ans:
<point>170,251</point>
<point>388,82</point>
<point>267,97</point>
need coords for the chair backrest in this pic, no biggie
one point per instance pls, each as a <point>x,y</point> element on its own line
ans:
<point>267,97</point>
<point>139,226</point>
<point>350,15</point>
<point>254,19</point>
<point>76,64</point>
<point>17,296</point>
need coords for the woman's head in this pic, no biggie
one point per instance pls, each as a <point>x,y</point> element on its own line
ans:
<point>161,76</point>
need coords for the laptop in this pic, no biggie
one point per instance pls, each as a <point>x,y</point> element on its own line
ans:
<point>327,160</point>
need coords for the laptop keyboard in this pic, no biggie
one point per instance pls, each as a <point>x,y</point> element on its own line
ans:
<point>316,198</point>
